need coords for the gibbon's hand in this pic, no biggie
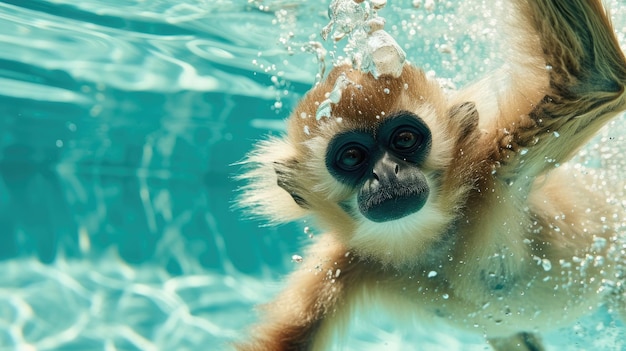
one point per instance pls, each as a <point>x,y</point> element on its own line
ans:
<point>564,79</point>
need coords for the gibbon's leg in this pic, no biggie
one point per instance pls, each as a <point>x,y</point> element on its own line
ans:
<point>314,294</point>
<point>517,342</point>
<point>567,78</point>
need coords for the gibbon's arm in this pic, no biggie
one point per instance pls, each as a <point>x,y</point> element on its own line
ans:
<point>563,81</point>
<point>314,294</point>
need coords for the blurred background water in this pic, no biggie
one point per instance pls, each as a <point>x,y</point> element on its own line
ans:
<point>119,123</point>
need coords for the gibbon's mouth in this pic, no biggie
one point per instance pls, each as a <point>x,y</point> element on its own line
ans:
<point>394,201</point>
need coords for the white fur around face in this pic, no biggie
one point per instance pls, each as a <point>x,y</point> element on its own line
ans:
<point>403,242</point>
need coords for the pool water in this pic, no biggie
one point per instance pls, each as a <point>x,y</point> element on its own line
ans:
<point>120,122</point>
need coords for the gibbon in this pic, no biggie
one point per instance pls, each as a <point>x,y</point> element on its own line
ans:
<point>454,206</point>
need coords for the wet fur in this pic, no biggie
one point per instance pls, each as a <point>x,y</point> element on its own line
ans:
<point>499,210</point>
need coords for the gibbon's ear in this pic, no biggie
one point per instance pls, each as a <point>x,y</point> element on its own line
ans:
<point>266,171</point>
<point>465,115</point>
<point>285,173</point>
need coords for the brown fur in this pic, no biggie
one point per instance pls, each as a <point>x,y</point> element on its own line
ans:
<point>516,241</point>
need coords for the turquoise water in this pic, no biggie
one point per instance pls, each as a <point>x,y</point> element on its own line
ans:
<point>119,123</point>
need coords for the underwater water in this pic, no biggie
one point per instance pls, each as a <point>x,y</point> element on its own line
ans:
<point>120,122</point>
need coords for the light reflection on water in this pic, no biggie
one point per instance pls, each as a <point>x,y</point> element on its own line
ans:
<point>119,121</point>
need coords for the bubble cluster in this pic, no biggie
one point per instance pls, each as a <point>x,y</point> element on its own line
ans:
<point>370,48</point>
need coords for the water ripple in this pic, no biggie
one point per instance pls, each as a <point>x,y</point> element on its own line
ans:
<point>101,14</point>
<point>158,47</point>
<point>20,89</point>
<point>108,305</point>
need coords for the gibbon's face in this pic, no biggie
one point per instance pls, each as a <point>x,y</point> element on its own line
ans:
<point>383,167</point>
<point>368,160</point>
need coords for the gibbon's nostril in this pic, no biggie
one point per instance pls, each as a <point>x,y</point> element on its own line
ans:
<point>397,169</point>
<point>375,176</point>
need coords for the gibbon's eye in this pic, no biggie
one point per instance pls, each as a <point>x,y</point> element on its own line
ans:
<point>405,140</point>
<point>406,135</point>
<point>351,157</point>
<point>348,155</point>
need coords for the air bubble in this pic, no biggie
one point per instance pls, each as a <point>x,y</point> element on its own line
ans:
<point>378,4</point>
<point>429,5</point>
<point>432,274</point>
<point>296,258</point>
<point>307,231</point>
<point>323,110</point>
<point>546,264</point>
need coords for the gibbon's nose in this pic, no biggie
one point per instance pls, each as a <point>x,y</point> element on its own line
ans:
<point>386,169</point>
